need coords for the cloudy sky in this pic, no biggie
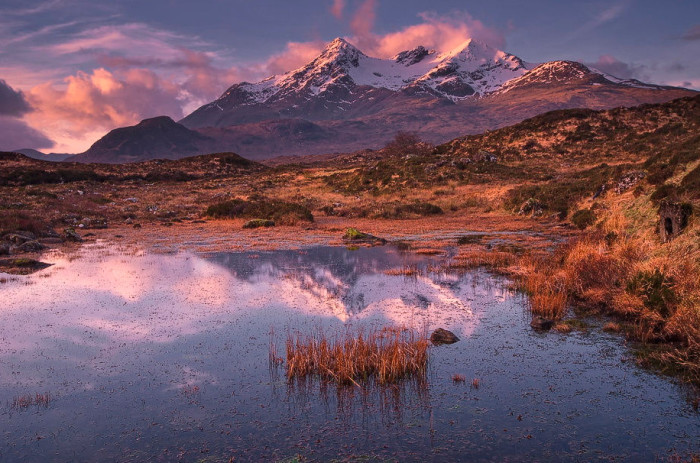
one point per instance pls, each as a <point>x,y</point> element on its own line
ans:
<point>71,70</point>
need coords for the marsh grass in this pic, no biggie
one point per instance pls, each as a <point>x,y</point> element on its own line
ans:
<point>27,400</point>
<point>386,356</point>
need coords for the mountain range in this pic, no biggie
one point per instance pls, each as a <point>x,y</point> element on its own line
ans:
<point>344,100</point>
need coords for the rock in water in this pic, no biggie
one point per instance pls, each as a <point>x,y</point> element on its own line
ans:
<point>442,336</point>
<point>541,324</point>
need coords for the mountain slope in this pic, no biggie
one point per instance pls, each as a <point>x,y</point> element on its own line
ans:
<point>344,101</point>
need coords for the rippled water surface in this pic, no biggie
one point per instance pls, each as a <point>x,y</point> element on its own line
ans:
<point>152,357</point>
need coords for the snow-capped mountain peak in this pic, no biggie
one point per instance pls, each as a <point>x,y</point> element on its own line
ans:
<point>344,80</point>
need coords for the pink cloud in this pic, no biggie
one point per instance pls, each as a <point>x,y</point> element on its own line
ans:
<point>442,33</point>
<point>337,8</point>
<point>296,54</point>
<point>96,102</point>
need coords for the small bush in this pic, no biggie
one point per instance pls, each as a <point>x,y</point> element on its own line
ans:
<point>583,218</point>
<point>656,291</point>
<point>257,223</point>
<point>402,211</point>
<point>270,209</point>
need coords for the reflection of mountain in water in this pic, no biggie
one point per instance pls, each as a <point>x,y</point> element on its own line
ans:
<point>354,279</point>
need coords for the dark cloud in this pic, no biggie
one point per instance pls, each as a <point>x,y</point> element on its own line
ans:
<point>12,102</point>
<point>16,134</point>
<point>693,33</point>
<point>613,66</point>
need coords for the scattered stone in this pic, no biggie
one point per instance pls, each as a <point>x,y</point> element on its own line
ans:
<point>673,218</point>
<point>629,180</point>
<point>531,207</point>
<point>71,235</point>
<point>137,226</point>
<point>442,336</point>
<point>257,223</point>
<point>539,323</point>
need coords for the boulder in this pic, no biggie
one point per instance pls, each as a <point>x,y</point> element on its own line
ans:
<point>71,235</point>
<point>539,323</point>
<point>442,336</point>
<point>19,237</point>
<point>30,246</point>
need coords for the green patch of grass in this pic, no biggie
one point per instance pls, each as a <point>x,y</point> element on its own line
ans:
<point>656,290</point>
<point>558,195</point>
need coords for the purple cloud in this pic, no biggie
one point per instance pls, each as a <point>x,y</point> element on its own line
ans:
<point>12,102</point>
<point>16,134</point>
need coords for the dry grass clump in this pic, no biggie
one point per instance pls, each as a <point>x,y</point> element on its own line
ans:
<point>482,258</point>
<point>546,287</point>
<point>387,356</point>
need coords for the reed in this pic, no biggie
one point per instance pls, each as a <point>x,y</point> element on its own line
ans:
<point>386,356</point>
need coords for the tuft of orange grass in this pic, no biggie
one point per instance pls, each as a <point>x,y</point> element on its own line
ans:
<point>547,291</point>
<point>563,328</point>
<point>404,271</point>
<point>387,356</point>
<point>482,258</point>
<point>475,383</point>
<point>612,327</point>
<point>459,378</point>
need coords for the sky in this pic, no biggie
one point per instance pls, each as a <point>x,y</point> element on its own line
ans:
<point>71,70</point>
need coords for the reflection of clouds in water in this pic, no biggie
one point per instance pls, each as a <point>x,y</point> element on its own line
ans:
<point>105,298</point>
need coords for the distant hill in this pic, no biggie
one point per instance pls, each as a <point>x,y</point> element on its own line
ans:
<point>155,138</point>
<point>54,157</point>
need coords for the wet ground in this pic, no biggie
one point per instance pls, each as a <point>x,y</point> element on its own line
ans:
<point>164,357</point>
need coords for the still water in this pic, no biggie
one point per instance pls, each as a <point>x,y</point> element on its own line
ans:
<point>152,357</point>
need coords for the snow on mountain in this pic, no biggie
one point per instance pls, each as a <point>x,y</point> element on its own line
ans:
<point>572,72</point>
<point>471,68</point>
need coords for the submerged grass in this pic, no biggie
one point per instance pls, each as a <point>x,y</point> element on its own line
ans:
<point>387,356</point>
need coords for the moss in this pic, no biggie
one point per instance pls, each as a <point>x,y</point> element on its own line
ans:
<point>353,234</point>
